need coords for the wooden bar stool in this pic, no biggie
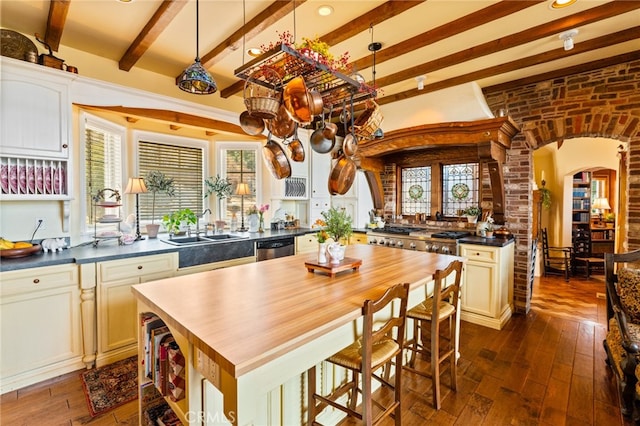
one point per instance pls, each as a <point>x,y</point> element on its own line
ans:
<point>426,333</point>
<point>375,349</point>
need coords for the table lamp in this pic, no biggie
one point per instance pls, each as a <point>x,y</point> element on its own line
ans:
<point>136,186</point>
<point>601,204</point>
<point>242,189</point>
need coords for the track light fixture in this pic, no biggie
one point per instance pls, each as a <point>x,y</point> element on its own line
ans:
<point>567,38</point>
<point>420,79</point>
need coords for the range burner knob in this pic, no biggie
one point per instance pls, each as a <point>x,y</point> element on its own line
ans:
<point>444,250</point>
<point>412,246</point>
<point>381,242</point>
<point>400,244</point>
<point>373,241</point>
<point>434,248</point>
<point>390,243</point>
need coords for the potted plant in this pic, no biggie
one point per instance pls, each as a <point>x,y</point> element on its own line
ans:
<point>157,182</point>
<point>222,187</point>
<point>173,221</point>
<point>472,213</point>
<point>339,227</point>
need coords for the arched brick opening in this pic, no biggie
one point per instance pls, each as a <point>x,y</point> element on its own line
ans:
<point>598,103</point>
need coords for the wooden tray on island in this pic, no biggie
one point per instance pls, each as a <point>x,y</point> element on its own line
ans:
<point>333,268</point>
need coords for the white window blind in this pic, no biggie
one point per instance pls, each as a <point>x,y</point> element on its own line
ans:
<point>103,167</point>
<point>182,163</point>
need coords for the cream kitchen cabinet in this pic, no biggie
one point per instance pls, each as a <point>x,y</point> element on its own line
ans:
<point>40,321</point>
<point>117,328</point>
<point>487,290</point>
<point>306,243</point>
<point>36,110</point>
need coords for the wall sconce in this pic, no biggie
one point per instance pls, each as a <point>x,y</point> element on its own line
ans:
<point>567,38</point>
<point>242,189</point>
<point>136,186</point>
<point>420,79</point>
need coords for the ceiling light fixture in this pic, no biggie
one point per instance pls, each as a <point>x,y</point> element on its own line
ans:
<point>559,4</point>
<point>420,79</point>
<point>254,51</point>
<point>567,38</point>
<point>325,10</point>
<point>196,79</point>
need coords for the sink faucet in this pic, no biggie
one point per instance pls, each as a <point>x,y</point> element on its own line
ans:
<point>198,222</point>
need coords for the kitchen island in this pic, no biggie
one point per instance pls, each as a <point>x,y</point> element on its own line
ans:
<point>253,330</point>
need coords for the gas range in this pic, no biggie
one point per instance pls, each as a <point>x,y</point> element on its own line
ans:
<point>436,241</point>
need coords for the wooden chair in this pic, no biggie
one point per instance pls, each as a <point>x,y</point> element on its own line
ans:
<point>375,349</point>
<point>622,343</point>
<point>426,332</point>
<point>555,260</point>
<point>581,254</point>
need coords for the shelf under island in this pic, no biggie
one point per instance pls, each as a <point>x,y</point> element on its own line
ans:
<point>252,331</point>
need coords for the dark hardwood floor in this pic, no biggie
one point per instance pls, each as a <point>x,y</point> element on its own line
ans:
<point>543,368</point>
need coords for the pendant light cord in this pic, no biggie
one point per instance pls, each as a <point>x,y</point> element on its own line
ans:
<point>197,31</point>
<point>294,23</point>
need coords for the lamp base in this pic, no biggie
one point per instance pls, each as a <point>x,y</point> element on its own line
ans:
<point>139,237</point>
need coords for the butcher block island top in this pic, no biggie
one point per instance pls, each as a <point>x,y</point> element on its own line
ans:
<point>245,318</point>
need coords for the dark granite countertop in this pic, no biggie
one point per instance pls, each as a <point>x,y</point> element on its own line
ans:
<point>111,251</point>
<point>483,241</point>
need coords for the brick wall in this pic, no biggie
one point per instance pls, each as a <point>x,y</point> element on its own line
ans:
<point>601,103</point>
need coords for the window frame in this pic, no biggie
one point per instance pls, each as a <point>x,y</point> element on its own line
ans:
<point>107,126</point>
<point>161,138</point>
<point>222,170</point>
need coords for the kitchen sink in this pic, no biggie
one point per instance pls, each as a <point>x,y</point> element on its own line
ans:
<point>198,240</point>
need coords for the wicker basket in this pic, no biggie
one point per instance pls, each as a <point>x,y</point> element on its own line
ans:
<point>368,122</point>
<point>263,100</point>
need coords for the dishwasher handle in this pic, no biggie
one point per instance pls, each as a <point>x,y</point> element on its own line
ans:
<point>274,243</point>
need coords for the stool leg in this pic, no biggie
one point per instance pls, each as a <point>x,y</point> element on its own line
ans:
<point>435,362</point>
<point>311,390</point>
<point>453,341</point>
<point>414,344</point>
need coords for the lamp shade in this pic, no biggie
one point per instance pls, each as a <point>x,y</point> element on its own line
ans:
<point>243,189</point>
<point>197,80</point>
<point>601,203</point>
<point>135,186</point>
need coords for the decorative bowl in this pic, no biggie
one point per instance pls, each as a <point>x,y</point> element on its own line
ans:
<point>20,252</point>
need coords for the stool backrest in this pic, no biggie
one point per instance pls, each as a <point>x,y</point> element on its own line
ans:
<point>449,288</point>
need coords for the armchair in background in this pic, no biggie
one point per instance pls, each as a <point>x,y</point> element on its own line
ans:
<point>555,260</point>
<point>622,343</point>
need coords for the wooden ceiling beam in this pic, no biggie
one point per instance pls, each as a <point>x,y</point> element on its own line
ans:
<point>163,16</point>
<point>175,118</point>
<point>55,22</point>
<point>560,53</point>
<point>263,20</point>
<point>529,35</point>
<point>375,16</point>
<point>468,22</point>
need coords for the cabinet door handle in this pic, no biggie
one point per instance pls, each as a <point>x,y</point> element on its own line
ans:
<point>65,146</point>
<point>139,266</point>
<point>36,281</point>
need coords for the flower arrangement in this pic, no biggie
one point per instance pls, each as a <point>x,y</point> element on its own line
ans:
<point>489,225</point>
<point>259,211</point>
<point>321,235</point>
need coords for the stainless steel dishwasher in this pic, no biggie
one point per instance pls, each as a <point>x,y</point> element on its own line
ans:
<point>271,249</point>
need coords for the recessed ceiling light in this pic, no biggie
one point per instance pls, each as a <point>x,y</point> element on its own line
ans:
<point>559,4</point>
<point>325,10</point>
<point>254,51</point>
<point>125,1</point>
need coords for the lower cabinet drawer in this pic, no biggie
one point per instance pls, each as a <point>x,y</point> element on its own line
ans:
<point>37,279</point>
<point>136,267</point>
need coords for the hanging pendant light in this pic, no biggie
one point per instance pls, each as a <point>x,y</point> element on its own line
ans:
<point>196,79</point>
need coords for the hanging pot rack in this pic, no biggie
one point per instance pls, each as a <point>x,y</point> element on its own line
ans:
<point>335,87</point>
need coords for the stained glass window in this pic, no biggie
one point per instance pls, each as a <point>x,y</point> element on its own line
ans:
<point>460,188</point>
<point>416,190</point>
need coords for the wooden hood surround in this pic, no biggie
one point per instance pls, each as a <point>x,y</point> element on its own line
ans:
<point>483,141</point>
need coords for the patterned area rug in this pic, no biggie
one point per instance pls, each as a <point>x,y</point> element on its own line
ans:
<point>110,386</point>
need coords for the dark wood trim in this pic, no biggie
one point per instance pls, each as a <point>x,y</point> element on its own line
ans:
<point>58,10</point>
<point>163,16</point>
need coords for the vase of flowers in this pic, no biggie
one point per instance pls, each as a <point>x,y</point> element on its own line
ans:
<point>322,238</point>
<point>472,213</point>
<point>261,211</point>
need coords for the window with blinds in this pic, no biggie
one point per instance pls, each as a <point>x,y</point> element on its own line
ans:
<point>103,166</point>
<point>182,163</point>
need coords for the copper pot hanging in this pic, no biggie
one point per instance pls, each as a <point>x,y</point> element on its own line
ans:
<point>343,174</point>
<point>251,124</point>
<point>281,125</point>
<point>296,149</point>
<point>276,160</point>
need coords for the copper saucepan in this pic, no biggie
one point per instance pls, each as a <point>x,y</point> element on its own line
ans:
<point>343,174</point>
<point>296,148</point>
<point>330,129</point>
<point>251,125</point>
<point>319,143</point>
<point>281,125</point>
<point>276,160</point>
